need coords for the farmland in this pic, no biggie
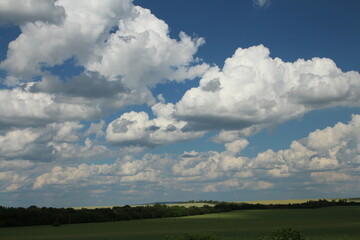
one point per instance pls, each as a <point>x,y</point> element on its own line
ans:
<point>181,204</point>
<point>201,204</point>
<point>323,223</point>
<point>294,201</point>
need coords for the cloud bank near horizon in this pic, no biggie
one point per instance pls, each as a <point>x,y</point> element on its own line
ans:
<point>326,160</point>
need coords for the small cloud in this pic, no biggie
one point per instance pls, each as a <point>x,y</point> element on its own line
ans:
<point>161,98</point>
<point>99,191</point>
<point>262,3</point>
<point>137,129</point>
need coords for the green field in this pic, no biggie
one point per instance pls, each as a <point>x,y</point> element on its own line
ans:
<point>340,223</point>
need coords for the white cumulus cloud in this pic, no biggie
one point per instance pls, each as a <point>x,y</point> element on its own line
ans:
<point>55,141</point>
<point>136,128</point>
<point>113,38</point>
<point>253,91</point>
<point>124,50</point>
<point>122,171</point>
<point>23,11</point>
<point>333,149</point>
<point>299,166</point>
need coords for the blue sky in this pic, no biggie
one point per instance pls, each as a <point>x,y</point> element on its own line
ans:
<point>124,102</point>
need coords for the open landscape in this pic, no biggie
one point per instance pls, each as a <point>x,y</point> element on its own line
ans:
<point>292,201</point>
<point>179,120</point>
<point>329,223</point>
<point>212,203</point>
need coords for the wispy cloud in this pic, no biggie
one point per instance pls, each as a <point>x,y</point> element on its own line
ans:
<point>262,3</point>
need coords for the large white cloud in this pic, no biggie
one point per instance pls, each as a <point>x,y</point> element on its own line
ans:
<point>199,164</point>
<point>334,149</point>
<point>23,108</point>
<point>86,97</point>
<point>135,128</point>
<point>55,141</point>
<point>123,49</point>
<point>253,91</point>
<point>23,11</point>
<point>142,52</point>
<point>82,32</point>
<point>114,38</point>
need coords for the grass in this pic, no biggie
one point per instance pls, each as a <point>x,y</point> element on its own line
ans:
<point>332,223</point>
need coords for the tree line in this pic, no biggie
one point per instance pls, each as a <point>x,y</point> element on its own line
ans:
<point>33,215</point>
<point>228,206</point>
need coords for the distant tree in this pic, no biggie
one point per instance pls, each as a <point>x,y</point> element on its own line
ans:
<point>193,236</point>
<point>284,234</point>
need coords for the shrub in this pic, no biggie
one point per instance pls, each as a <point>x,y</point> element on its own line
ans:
<point>193,236</point>
<point>284,234</point>
<point>203,236</point>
